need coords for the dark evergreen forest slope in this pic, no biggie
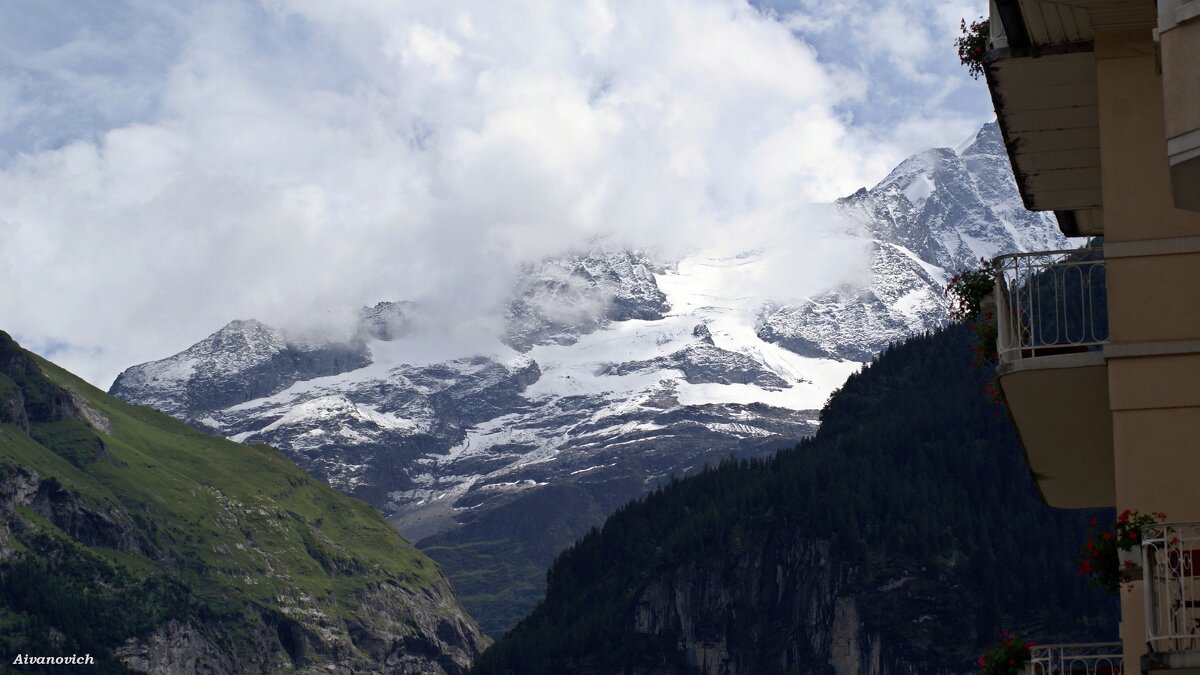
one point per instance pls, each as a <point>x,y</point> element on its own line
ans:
<point>901,539</point>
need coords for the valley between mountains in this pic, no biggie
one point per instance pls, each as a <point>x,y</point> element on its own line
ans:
<point>617,370</point>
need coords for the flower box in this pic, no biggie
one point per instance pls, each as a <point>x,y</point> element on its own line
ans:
<point>1129,562</point>
<point>1105,556</point>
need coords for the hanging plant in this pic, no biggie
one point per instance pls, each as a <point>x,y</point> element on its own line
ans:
<point>1008,657</point>
<point>973,45</point>
<point>968,293</point>
<point>968,288</point>
<point>1101,558</point>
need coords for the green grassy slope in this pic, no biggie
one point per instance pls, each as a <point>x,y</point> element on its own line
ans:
<point>138,518</point>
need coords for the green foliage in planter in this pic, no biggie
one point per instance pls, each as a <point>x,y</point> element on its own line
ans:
<point>1008,657</point>
<point>968,288</point>
<point>1100,561</point>
<point>966,292</point>
<point>973,45</point>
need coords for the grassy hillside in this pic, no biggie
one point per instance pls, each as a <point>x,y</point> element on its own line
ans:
<point>118,519</point>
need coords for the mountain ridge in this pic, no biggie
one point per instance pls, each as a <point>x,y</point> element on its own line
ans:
<point>617,372</point>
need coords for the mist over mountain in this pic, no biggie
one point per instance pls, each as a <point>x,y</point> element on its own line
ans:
<point>937,213</point>
<point>615,370</point>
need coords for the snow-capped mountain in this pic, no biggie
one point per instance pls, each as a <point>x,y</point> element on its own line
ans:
<point>616,370</point>
<point>242,361</point>
<point>937,213</point>
<point>632,361</point>
<point>563,298</point>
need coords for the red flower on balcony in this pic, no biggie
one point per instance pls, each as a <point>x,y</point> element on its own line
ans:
<point>1100,559</point>
<point>973,45</point>
<point>1008,657</point>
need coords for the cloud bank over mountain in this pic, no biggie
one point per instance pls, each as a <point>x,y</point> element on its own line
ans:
<point>164,168</point>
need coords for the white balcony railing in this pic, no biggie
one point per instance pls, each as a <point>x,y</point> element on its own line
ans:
<point>1096,658</point>
<point>1171,572</point>
<point>1051,302</point>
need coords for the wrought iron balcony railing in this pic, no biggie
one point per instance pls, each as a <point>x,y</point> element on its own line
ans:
<point>1051,302</point>
<point>1171,571</point>
<point>1096,658</point>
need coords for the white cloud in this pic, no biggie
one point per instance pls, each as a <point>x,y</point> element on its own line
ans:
<point>291,158</point>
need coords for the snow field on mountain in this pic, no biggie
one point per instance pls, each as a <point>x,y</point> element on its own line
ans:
<point>611,364</point>
<point>703,290</point>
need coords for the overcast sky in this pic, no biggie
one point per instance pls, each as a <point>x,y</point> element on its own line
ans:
<point>168,167</point>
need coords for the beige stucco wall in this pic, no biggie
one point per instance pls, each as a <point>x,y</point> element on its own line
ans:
<point>1157,461</point>
<point>1150,382</point>
<point>1155,400</point>
<point>1181,94</point>
<point>1133,627</point>
<point>1138,202</point>
<point>1152,298</point>
<point>1181,77</point>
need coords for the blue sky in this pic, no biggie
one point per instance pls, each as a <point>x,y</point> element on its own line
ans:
<point>167,167</point>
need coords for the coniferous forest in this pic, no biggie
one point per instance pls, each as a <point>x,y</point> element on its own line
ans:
<point>915,487</point>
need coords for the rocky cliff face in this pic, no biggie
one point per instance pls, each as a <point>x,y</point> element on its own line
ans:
<point>776,606</point>
<point>92,526</point>
<point>395,631</point>
<point>564,298</point>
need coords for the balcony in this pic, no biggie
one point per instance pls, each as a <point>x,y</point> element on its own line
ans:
<point>1041,73</point>
<point>1097,658</point>
<point>1172,597</point>
<point>1052,324</point>
<point>1050,303</point>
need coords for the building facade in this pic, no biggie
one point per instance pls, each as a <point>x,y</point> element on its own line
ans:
<point>1099,105</point>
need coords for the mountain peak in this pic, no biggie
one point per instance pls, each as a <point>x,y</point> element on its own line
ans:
<point>987,141</point>
<point>241,342</point>
<point>630,372</point>
<point>939,211</point>
<point>243,360</point>
<point>563,298</point>
<point>386,321</point>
